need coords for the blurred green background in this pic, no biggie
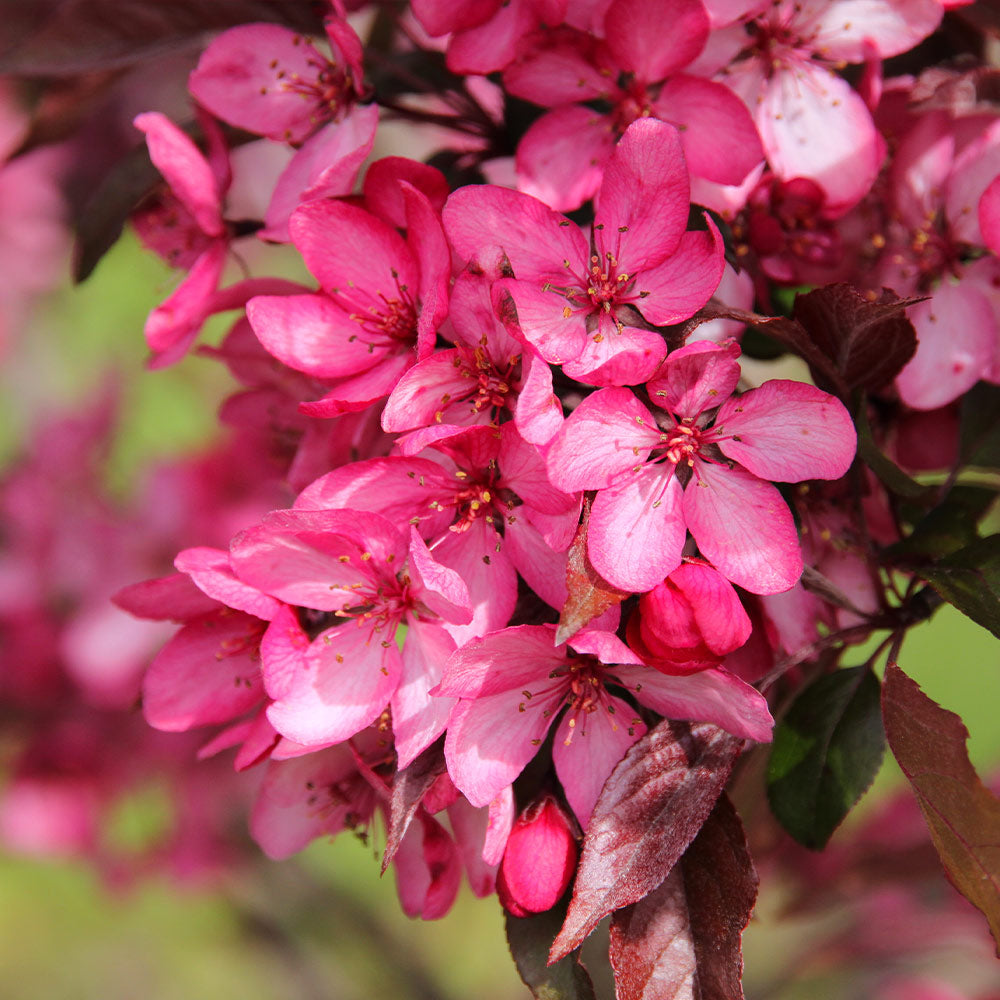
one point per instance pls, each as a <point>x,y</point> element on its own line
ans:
<point>323,925</point>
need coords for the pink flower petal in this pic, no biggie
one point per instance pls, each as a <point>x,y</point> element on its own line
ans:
<point>607,435</point>
<point>718,135</point>
<point>642,207</point>
<point>709,696</point>
<point>679,286</point>
<point>345,679</point>
<point>697,377</point>
<point>787,431</point>
<point>957,336</point>
<point>586,755</point>
<point>185,170</point>
<point>636,530</point>
<point>560,159</point>
<point>743,527</point>
<point>634,30</point>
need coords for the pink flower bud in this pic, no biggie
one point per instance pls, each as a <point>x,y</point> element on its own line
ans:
<point>539,861</point>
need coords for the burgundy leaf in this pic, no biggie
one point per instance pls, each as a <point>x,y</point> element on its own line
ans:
<point>683,939</point>
<point>868,342</point>
<point>408,790</point>
<point>650,809</point>
<point>589,593</point>
<point>721,884</point>
<point>788,332</point>
<point>65,37</point>
<point>652,946</point>
<point>962,814</point>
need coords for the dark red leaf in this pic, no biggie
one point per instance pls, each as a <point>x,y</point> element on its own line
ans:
<point>684,939</point>
<point>963,815</point>
<point>652,946</point>
<point>721,884</point>
<point>589,593</point>
<point>408,790</point>
<point>66,37</point>
<point>650,809</point>
<point>868,342</point>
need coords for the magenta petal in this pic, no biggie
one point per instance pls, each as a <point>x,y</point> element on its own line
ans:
<point>352,252</point>
<point>477,555</point>
<point>357,392</point>
<point>345,680</point>
<point>586,755</point>
<point>635,33</point>
<point>787,431</point>
<point>312,334</point>
<point>722,621</point>
<point>426,240</point>
<point>419,718</point>
<point>166,598</point>
<point>607,435</point>
<point>543,317</point>
<point>285,818</point>
<point>523,470</point>
<point>541,567</point>
<point>719,137</point>
<point>808,102</point>
<point>428,869</point>
<point>679,286</point>
<point>490,740</point>
<point>957,336</point>
<point>558,74</point>
<point>695,378</point>
<point>627,355</point>
<point>537,412</point>
<point>743,527</point>
<point>325,167</point>
<point>642,207</point>
<point>438,588</point>
<point>237,80</point>
<point>396,488</point>
<point>481,219</point>
<point>636,531</point>
<point>383,187</point>
<point>185,170</point>
<point>173,325</point>
<point>560,159</point>
<point>989,215</point>
<point>708,696</point>
<point>503,661</point>
<point>213,573</point>
<point>208,673</point>
<point>425,392</point>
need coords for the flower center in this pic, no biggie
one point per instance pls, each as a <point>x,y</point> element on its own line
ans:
<point>683,443</point>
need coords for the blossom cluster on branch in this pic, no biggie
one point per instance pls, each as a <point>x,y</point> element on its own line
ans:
<point>554,567</point>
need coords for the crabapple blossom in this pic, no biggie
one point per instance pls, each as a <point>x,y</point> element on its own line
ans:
<point>724,447</point>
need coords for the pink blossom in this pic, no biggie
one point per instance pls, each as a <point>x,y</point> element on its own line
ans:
<point>561,157</point>
<point>513,684</point>
<point>381,300</point>
<point>332,665</point>
<point>706,471</point>
<point>269,80</point>
<point>575,300</point>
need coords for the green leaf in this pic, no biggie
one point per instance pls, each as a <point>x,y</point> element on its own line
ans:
<point>826,752</point>
<point>529,940</point>
<point>947,528</point>
<point>970,579</point>
<point>962,814</point>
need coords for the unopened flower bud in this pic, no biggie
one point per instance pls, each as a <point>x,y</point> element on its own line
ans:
<point>539,860</point>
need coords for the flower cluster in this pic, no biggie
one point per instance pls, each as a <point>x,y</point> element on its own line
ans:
<point>548,543</point>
